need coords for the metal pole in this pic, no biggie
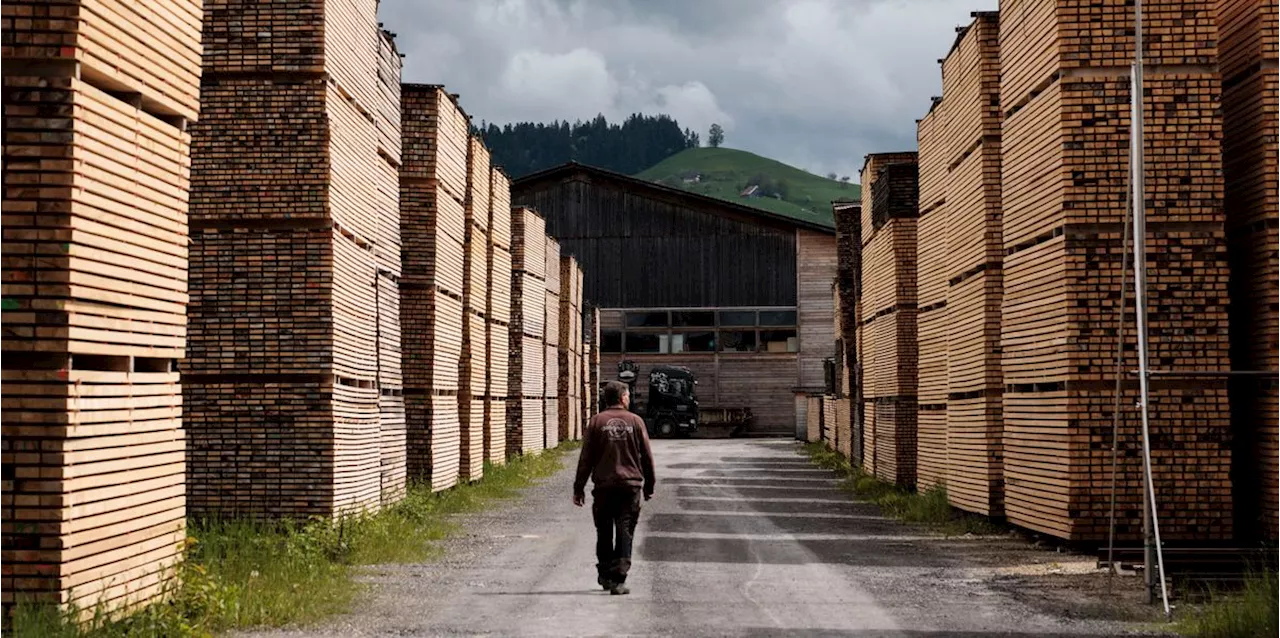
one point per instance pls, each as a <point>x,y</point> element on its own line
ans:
<point>1150,521</point>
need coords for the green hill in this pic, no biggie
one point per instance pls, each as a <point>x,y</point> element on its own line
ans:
<point>725,172</point>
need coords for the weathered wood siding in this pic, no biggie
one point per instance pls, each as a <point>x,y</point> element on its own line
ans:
<point>647,248</point>
<point>816,305</point>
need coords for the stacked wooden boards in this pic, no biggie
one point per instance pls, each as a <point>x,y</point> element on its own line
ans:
<point>1248,42</point>
<point>1065,97</point>
<point>434,228</point>
<point>526,422</point>
<point>931,293</point>
<point>888,343</point>
<point>970,151</point>
<point>474,371</point>
<point>498,318</point>
<point>551,345</point>
<point>593,362</point>
<point>848,220</point>
<point>294,260</point>
<point>569,349</point>
<point>97,95</point>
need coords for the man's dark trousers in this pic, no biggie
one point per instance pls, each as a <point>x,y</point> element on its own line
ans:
<point>615,510</point>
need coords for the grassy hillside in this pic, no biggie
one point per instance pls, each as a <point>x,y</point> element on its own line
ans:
<point>725,172</point>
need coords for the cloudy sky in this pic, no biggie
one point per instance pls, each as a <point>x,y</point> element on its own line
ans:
<point>814,83</point>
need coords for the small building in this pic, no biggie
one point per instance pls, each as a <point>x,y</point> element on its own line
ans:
<point>739,295</point>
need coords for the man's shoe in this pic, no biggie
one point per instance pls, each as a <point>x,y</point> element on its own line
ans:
<point>605,583</point>
<point>619,590</point>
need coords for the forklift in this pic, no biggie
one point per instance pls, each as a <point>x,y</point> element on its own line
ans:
<point>671,408</point>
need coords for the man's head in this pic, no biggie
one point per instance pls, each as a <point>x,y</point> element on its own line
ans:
<point>616,393</point>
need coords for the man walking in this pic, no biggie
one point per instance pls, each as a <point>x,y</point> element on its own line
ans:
<point>617,457</point>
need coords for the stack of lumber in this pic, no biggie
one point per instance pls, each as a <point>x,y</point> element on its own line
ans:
<point>526,423</point>
<point>813,418</point>
<point>593,362</point>
<point>498,318</point>
<point>294,262</point>
<point>474,371</point>
<point>848,220</point>
<point>1065,99</point>
<point>888,341</point>
<point>391,407</point>
<point>931,279</point>
<point>551,345</point>
<point>1248,43</point>
<point>96,173</point>
<point>972,267</point>
<point>570,349</point>
<point>828,411</point>
<point>433,223</point>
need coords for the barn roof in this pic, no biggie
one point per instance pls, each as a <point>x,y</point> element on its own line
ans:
<point>637,184</point>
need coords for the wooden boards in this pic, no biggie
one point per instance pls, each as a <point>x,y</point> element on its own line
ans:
<point>97,164</point>
<point>1247,37</point>
<point>889,342</point>
<point>1065,98</point>
<point>972,269</point>
<point>569,348</point>
<point>295,264</point>
<point>931,279</point>
<point>443,289</point>
<point>526,410</point>
<point>473,393</point>
<point>498,316</point>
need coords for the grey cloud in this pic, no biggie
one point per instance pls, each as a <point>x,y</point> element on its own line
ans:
<point>816,83</point>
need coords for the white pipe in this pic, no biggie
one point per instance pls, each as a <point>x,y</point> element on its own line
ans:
<point>1137,151</point>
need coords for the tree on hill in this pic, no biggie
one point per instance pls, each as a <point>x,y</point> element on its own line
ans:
<point>638,143</point>
<point>715,137</point>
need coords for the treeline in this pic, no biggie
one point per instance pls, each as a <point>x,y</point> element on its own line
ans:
<point>638,143</point>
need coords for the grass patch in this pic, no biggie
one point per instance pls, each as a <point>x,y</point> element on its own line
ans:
<point>1251,611</point>
<point>241,574</point>
<point>929,508</point>
<point>725,172</point>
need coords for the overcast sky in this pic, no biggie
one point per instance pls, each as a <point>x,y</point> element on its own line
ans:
<point>814,83</point>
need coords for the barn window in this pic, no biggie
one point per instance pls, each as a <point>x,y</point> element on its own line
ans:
<point>737,318</point>
<point>611,342</point>
<point>693,342</point>
<point>737,341</point>
<point>694,319</point>
<point>645,342</point>
<point>785,318</point>
<point>648,319</point>
<point>779,341</point>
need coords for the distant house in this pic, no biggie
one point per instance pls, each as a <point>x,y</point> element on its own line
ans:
<point>750,191</point>
<point>692,178</point>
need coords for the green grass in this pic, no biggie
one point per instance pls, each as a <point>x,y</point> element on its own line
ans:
<point>929,508</point>
<point>726,171</point>
<point>1249,612</point>
<point>241,574</point>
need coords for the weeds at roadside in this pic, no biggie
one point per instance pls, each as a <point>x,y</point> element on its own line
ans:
<point>929,508</point>
<point>240,574</point>
<point>1251,611</point>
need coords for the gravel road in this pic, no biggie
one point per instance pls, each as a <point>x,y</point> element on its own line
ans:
<point>744,538</point>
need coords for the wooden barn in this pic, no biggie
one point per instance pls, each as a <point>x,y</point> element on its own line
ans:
<point>741,296</point>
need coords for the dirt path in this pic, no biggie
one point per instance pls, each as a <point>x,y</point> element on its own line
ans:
<point>744,538</point>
